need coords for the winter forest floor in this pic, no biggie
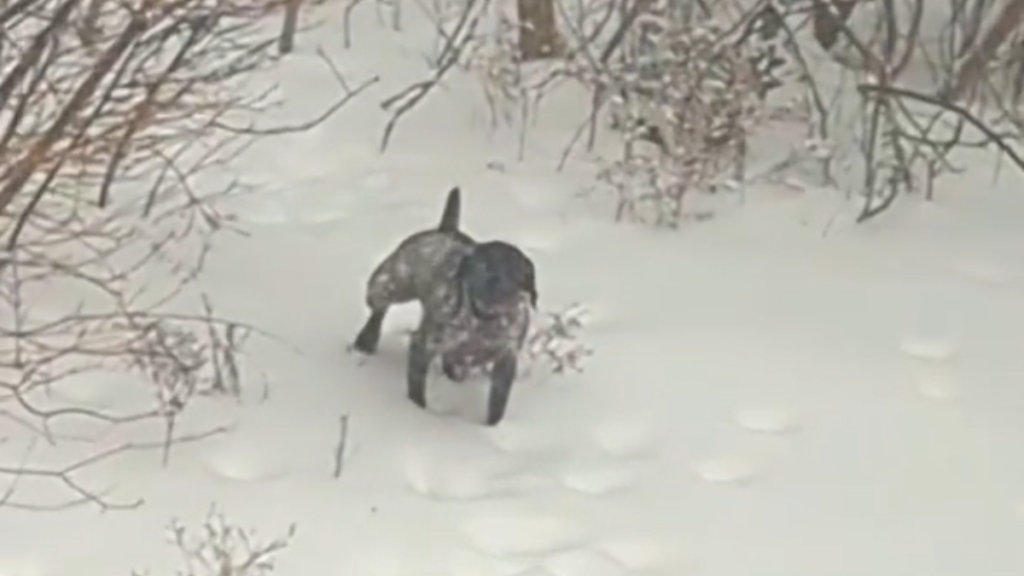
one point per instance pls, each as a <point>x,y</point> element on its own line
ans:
<point>772,391</point>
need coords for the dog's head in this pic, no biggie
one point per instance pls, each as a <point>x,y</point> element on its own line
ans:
<point>493,278</point>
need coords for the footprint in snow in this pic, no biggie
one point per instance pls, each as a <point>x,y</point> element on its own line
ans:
<point>983,270</point>
<point>456,473</point>
<point>932,369</point>
<point>526,438</point>
<point>19,566</point>
<point>624,438</point>
<point>600,478</point>
<point>103,389</point>
<point>644,553</point>
<point>244,459</point>
<point>515,531</point>
<point>584,563</point>
<point>737,470</point>
<point>466,561</point>
<point>384,563</point>
<point>376,181</point>
<point>767,420</point>
<point>938,383</point>
<point>928,348</point>
<point>622,444</point>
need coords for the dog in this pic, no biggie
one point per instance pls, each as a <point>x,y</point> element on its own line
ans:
<point>476,300</point>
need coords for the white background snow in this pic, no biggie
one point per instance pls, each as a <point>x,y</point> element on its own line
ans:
<point>773,392</point>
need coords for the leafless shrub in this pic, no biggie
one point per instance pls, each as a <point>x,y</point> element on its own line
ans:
<point>382,7</point>
<point>691,84</point>
<point>556,340</point>
<point>221,548</point>
<point>696,107</point>
<point>512,88</point>
<point>492,59</point>
<point>691,79</point>
<point>456,37</point>
<point>912,126</point>
<point>114,117</point>
<point>482,37</point>
<point>687,84</point>
<point>686,88</point>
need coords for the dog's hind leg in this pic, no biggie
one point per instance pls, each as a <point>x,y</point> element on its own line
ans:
<point>503,375</point>
<point>390,284</point>
<point>369,336</point>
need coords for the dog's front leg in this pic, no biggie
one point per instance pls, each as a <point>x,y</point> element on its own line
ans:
<point>503,375</point>
<point>418,366</point>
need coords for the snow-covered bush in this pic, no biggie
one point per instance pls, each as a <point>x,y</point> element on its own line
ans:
<point>685,93</point>
<point>116,118</point>
<point>491,59</point>
<point>683,90</point>
<point>555,340</point>
<point>222,548</point>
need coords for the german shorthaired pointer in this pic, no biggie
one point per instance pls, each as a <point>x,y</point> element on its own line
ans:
<point>476,300</point>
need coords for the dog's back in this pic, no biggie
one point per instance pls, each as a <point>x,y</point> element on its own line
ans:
<point>411,271</point>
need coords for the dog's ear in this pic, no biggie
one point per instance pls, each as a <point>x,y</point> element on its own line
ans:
<point>529,283</point>
<point>461,271</point>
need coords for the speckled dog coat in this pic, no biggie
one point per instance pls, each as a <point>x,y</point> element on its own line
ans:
<point>476,301</point>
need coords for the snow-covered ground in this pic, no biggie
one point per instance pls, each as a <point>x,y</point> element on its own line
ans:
<point>772,392</point>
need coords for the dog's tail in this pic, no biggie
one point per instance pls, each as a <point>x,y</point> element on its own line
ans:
<point>452,211</point>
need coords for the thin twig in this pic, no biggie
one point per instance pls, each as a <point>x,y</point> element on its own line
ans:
<point>960,111</point>
<point>339,451</point>
<point>348,95</point>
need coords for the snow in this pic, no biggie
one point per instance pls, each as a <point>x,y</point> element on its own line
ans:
<point>773,391</point>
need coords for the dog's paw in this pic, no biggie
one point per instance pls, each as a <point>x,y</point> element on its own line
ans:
<point>361,347</point>
<point>418,398</point>
<point>369,335</point>
<point>361,358</point>
<point>366,341</point>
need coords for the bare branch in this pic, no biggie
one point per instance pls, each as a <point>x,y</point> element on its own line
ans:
<point>348,95</point>
<point>997,139</point>
<point>110,111</point>
<point>973,66</point>
<point>404,101</point>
